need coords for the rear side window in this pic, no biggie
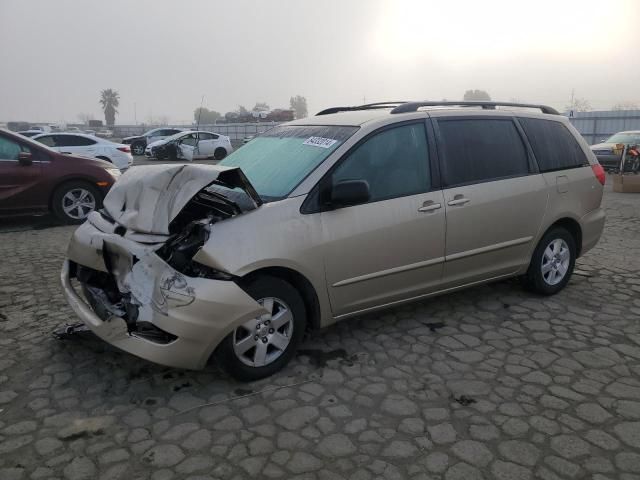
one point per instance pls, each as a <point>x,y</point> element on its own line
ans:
<point>73,141</point>
<point>553,145</point>
<point>481,150</point>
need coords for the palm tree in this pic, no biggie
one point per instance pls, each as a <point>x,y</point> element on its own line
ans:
<point>110,99</point>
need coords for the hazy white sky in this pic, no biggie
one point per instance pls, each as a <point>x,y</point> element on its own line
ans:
<point>163,56</point>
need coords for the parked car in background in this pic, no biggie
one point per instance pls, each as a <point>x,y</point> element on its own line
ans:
<point>90,132</point>
<point>30,133</point>
<point>139,143</point>
<point>35,179</point>
<point>605,153</point>
<point>88,146</point>
<point>105,133</point>
<point>73,130</point>
<point>314,221</point>
<point>190,145</point>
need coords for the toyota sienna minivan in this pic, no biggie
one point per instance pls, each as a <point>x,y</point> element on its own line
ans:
<point>317,220</point>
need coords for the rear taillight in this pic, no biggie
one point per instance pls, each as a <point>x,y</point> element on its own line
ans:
<point>125,149</point>
<point>598,171</point>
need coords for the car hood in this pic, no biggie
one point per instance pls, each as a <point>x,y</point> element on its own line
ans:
<point>147,199</point>
<point>157,143</point>
<point>95,161</point>
<point>603,146</point>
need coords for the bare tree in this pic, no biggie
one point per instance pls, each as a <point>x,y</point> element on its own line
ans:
<point>579,104</point>
<point>626,105</point>
<point>299,105</point>
<point>476,95</point>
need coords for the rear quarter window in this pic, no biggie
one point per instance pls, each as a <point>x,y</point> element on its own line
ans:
<point>554,146</point>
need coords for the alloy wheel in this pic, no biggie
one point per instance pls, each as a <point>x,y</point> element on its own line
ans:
<point>555,261</point>
<point>262,340</point>
<point>78,203</point>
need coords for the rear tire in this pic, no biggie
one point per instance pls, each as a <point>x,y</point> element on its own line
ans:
<point>137,148</point>
<point>73,201</point>
<point>277,335</point>
<point>219,153</point>
<point>105,159</point>
<point>552,262</point>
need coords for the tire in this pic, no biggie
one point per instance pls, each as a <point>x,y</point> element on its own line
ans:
<point>545,274</point>
<point>137,148</point>
<point>219,153</point>
<point>64,196</point>
<point>105,159</point>
<point>287,306</point>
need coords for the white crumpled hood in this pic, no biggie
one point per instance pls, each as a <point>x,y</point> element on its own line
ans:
<point>146,199</point>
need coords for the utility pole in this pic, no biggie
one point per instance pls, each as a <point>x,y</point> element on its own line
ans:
<point>135,114</point>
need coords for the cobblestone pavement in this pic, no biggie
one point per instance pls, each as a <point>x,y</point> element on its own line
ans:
<point>492,382</point>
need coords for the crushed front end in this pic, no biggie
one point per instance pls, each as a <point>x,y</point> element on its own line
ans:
<point>130,276</point>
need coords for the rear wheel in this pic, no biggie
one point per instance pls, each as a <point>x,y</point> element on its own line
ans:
<point>261,346</point>
<point>72,202</point>
<point>137,148</point>
<point>105,159</point>
<point>552,262</point>
<point>219,153</point>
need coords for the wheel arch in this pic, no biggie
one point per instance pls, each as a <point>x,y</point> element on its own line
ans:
<point>64,181</point>
<point>298,281</point>
<point>573,227</point>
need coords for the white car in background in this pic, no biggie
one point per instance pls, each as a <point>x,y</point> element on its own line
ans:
<point>190,145</point>
<point>88,146</point>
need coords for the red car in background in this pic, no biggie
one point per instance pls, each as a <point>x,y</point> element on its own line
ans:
<point>36,179</point>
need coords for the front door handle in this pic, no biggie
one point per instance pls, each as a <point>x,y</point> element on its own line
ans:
<point>458,201</point>
<point>430,207</point>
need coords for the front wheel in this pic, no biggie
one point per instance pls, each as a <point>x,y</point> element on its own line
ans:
<point>552,262</point>
<point>261,346</point>
<point>72,202</point>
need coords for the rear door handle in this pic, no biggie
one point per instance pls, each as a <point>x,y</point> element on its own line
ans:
<point>430,207</point>
<point>458,201</point>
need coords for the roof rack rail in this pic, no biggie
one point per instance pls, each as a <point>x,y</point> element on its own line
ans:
<point>368,106</point>
<point>414,106</point>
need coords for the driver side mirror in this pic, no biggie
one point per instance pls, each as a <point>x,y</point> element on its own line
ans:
<point>24,158</point>
<point>347,193</point>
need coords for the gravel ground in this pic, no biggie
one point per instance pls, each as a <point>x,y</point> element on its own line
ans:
<point>492,382</point>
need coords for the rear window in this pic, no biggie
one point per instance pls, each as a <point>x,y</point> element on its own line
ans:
<point>481,150</point>
<point>553,145</point>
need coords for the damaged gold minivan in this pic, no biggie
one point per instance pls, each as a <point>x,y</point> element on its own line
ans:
<point>355,209</point>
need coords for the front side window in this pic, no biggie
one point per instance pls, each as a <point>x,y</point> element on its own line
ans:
<point>9,150</point>
<point>394,162</point>
<point>553,145</point>
<point>47,140</point>
<point>481,150</point>
<point>279,159</point>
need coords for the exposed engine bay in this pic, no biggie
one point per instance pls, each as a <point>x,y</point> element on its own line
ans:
<point>151,226</point>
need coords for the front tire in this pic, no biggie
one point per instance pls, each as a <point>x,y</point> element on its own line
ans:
<point>262,346</point>
<point>73,201</point>
<point>552,262</point>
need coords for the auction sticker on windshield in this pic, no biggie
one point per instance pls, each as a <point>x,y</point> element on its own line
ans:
<point>319,142</point>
